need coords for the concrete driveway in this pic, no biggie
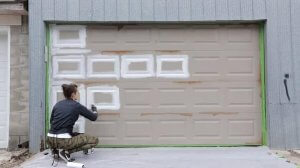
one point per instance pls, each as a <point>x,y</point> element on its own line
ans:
<point>234,157</point>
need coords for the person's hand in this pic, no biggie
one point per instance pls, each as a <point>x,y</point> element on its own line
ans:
<point>94,108</point>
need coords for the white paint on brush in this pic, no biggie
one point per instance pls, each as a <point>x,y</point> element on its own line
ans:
<point>79,42</point>
<point>112,90</point>
<point>180,73</point>
<point>104,59</point>
<point>79,73</point>
<point>129,59</point>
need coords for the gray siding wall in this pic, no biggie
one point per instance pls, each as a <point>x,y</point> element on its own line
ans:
<point>153,10</point>
<point>37,39</point>
<point>282,46</point>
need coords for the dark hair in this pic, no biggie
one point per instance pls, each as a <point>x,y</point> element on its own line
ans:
<point>68,89</point>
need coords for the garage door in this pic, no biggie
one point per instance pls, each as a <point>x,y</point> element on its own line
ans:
<point>160,84</point>
<point>4,88</point>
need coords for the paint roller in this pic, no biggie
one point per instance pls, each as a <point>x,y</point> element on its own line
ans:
<point>74,164</point>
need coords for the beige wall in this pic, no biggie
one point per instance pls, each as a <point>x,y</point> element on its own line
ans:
<point>19,106</point>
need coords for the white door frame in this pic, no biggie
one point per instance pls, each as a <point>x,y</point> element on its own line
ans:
<point>7,29</point>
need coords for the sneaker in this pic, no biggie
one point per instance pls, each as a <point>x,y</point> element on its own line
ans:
<point>85,151</point>
<point>55,154</point>
<point>65,156</point>
<point>54,151</point>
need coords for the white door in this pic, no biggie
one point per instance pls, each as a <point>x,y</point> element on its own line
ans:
<point>4,86</point>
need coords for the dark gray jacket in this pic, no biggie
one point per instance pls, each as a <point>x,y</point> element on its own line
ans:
<point>64,115</point>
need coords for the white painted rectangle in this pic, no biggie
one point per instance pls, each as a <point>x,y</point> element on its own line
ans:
<point>112,91</point>
<point>113,59</point>
<point>69,36</point>
<point>77,62</point>
<point>127,60</point>
<point>183,72</point>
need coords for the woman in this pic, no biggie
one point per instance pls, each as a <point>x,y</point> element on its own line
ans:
<point>64,115</point>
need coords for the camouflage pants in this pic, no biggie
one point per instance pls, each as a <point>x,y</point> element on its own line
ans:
<point>76,143</point>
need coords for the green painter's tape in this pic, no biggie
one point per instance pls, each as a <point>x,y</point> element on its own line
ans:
<point>174,145</point>
<point>263,83</point>
<point>263,97</point>
<point>47,98</point>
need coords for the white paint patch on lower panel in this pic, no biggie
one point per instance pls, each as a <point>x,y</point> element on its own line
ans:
<point>109,90</point>
<point>114,59</point>
<point>180,73</point>
<point>130,59</point>
<point>80,123</point>
<point>78,62</point>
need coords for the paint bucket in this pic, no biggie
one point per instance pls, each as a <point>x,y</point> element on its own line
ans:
<point>74,164</point>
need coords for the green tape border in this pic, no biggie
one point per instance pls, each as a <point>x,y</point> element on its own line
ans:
<point>176,145</point>
<point>47,89</point>
<point>263,99</point>
<point>263,82</point>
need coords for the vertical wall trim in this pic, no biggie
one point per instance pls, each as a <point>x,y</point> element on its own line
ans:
<point>263,83</point>
<point>36,77</point>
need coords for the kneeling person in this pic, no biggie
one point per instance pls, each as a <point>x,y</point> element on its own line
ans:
<point>64,115</point>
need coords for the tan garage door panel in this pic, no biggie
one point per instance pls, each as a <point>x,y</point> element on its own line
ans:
<point>218,103</point>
